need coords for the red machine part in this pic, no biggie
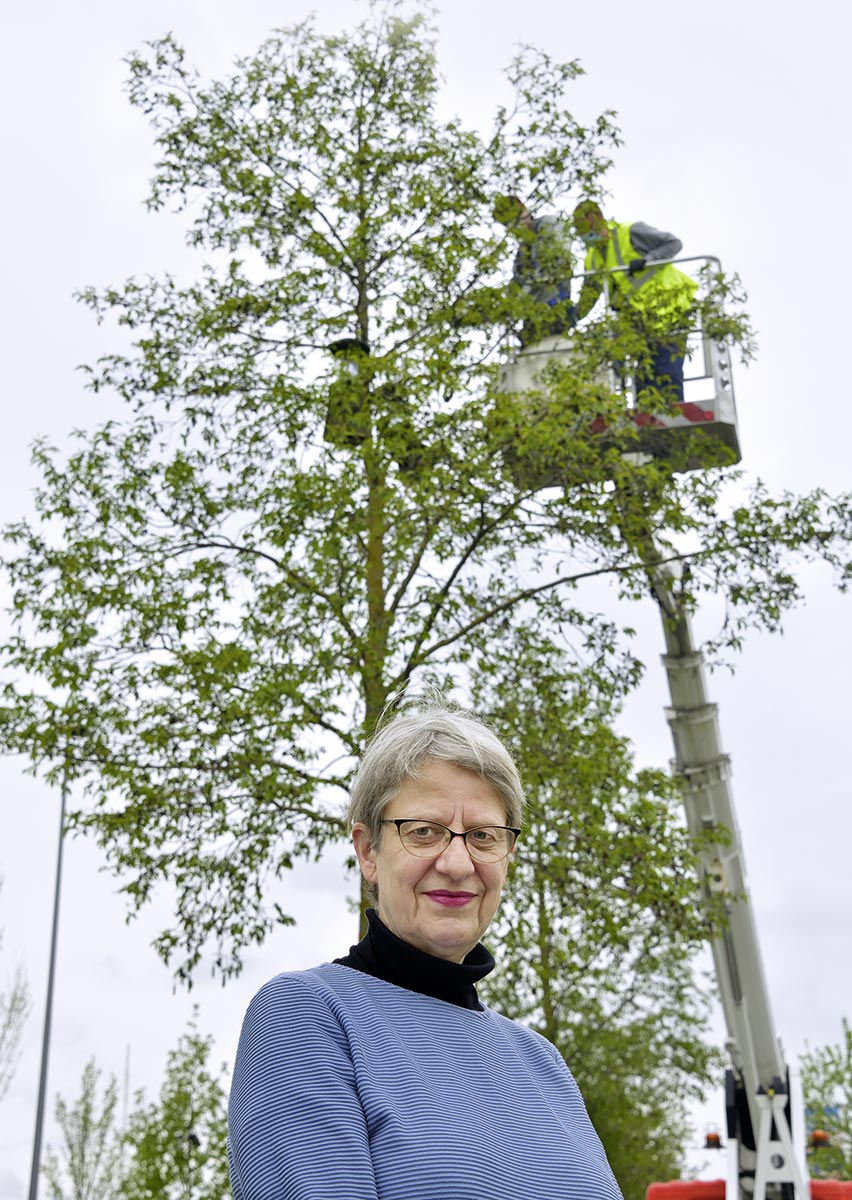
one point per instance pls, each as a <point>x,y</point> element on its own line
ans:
<point>693,1189</point>
<point>714,1189</point>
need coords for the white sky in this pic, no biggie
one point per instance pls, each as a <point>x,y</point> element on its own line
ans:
<point>736,124</point>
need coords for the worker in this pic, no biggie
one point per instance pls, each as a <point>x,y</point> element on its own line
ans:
<point>657,298</point>
<point>543,267</point>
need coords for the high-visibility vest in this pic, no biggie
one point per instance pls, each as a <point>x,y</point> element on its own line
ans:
<point>661,291</point>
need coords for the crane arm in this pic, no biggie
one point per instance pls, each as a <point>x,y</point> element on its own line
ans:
<point>759,1110</point>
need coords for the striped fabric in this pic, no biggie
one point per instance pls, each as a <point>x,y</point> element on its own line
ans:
<point>350,1088</point>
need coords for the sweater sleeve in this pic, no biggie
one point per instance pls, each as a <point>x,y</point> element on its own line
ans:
<point>654,244</point>
<point>599,1152</point>
<point>296,1127</point>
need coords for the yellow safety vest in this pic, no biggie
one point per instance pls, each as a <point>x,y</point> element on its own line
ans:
<point>660,292</point>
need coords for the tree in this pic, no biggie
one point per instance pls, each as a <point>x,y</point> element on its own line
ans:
<point>827,1087</point>
<point>178,1144</point>
<point>14,1009</point>
<point>90,1164</point>
<point>173,1148</point>
<point>598,933</point>
<point>221,594</point>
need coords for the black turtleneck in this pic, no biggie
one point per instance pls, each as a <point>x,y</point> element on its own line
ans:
<point>384,955</point>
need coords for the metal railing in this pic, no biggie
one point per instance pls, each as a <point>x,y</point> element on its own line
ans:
<point>708,360</point>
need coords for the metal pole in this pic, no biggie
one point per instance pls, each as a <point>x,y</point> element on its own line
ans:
<point>48,1011</point>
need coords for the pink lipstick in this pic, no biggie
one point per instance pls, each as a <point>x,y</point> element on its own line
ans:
<point>451,899</point>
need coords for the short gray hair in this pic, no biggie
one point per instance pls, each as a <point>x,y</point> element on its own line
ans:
<point>399,750</point>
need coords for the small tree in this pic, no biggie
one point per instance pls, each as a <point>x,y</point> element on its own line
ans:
<point>827,1087</point>
<point>88,1167</point>
<point>174,1148</point>
<point>177,1145</point>
<point>14,1008</point>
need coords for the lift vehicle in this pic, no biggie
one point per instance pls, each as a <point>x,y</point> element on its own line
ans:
<point>763,1104</point>
<point>765,1117</point>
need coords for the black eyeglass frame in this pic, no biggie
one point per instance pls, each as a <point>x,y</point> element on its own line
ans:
<point>400,821</point>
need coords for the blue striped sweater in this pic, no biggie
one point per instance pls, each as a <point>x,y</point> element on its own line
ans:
<point>347,1087</point>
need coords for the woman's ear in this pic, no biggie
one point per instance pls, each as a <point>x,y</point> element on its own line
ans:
<point>366,851</point>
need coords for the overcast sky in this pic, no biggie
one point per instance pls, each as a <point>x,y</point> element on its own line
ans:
<point>736,124</point>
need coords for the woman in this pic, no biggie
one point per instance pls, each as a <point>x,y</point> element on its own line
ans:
<point>380,1076</point>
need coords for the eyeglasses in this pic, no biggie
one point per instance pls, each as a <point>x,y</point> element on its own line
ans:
<point>428,839</point>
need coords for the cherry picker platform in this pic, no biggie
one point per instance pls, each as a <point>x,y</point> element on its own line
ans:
<point>697,432</point>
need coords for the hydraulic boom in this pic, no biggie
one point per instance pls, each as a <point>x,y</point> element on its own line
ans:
<point>765,1160</point>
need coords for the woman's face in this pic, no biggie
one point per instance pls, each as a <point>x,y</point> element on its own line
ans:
<point>441,905</point>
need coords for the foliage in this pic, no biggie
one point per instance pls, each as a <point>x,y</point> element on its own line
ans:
<point>173,1148</point>
<point>597,937</point>
<point>14,1009</point>
<point>827,1087</point>
<point>221,593</point>
<point>90,1164</point>
<point>178,1148</point>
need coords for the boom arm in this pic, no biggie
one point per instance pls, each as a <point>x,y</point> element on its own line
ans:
<point>758,1099</point>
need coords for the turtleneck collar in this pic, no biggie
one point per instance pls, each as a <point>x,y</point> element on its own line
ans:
<point>384,955</point>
